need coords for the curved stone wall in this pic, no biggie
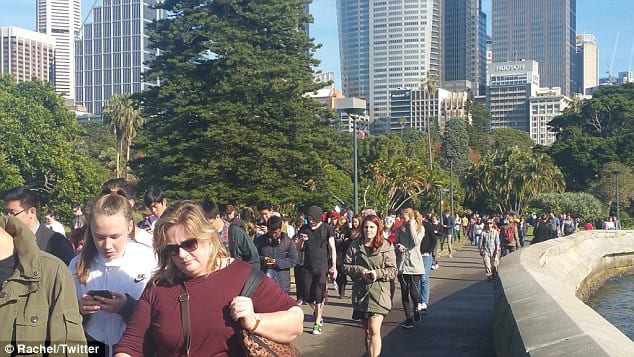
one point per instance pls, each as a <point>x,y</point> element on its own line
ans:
<point>538,306</point>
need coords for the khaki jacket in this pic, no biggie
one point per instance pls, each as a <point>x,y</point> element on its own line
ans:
<point>38,302</point>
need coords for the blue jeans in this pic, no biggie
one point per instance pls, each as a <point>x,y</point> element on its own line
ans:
<point>424,279</point>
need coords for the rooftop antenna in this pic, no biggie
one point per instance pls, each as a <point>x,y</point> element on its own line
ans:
<point>609,71</point>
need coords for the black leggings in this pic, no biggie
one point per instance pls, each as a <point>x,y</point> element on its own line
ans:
<point>410,288</point>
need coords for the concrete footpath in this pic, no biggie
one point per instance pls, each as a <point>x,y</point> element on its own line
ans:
<point>458,323</point>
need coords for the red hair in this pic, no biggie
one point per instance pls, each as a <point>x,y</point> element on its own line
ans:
<point>378,239</point>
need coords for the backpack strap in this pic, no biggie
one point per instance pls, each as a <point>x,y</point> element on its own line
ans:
<point>251,283</point>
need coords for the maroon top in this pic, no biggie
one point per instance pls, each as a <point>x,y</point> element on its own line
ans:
<point>213,331</point>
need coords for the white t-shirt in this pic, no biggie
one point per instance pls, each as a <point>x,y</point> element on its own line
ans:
<point>58,227</point>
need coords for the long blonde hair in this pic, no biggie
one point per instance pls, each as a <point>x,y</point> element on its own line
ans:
<point>104,205</point>
<point>189,214</point>
<point>416,216</point>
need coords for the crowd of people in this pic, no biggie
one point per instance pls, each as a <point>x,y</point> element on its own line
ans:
<point>141,288</point>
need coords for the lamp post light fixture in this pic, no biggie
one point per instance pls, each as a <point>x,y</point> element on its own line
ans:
<point>353,107</point>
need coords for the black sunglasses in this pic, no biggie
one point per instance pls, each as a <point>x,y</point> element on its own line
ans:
<point>189,246</point>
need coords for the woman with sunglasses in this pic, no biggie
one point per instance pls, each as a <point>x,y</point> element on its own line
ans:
<point>191,257</point>
<point>111,271</point>
<point>371,263</point>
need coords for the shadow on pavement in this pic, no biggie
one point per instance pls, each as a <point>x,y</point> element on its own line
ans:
<point>460,324</point>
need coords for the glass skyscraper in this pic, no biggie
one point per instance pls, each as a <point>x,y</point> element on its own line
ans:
<point>111,51</point>
<point>539,30</point>
<point>464,45</point>
<point>387,45</point>
<point>61,19</point>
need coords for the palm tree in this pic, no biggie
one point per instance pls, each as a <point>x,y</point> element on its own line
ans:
<point>430,85</point>
<point>124,117</point>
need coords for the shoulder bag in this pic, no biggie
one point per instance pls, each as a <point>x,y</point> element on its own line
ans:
<point>258,346</point>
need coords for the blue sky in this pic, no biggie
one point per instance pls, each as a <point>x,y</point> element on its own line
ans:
<point>605,19</point>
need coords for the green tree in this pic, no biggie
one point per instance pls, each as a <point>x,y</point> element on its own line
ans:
<point>230,119</point>
<point>503,138</point>
<point>37,142</point>
<point>98,142</point>
<point>123,115</point>
<point>455,145</point>
<point>579,204</point>
<point>593,132</point>
<point>604,187</point>
<point>479,129</point>
<point>508,179</point>
<point>430,88</point>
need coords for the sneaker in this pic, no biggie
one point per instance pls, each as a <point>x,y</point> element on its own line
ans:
<point>300,302</point>
<point>317,329</point>
<point>450,255</point>
<point>422,307</point>
<point>408,324</point>
<point>437,266</point>
<point>419,307</point>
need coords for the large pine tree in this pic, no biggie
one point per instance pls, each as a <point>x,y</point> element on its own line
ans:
<point>230,120</point>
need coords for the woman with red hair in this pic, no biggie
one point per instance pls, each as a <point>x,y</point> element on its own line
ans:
<point>371,263</point>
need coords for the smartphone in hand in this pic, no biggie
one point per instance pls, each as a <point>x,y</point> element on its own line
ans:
<point>103,293</point>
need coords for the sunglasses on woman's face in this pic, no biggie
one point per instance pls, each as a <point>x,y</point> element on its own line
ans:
<point>189,246</point>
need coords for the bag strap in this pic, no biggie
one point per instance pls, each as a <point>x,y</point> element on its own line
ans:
<point>183,299</point>
<point>251,283</point>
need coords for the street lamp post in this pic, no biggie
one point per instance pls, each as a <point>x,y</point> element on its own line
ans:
<point>353,107</point>
<point>618,218</point>
<point>451,185</point>
<point>355,182</point>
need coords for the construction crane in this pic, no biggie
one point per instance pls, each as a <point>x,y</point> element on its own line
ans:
<point>609,71</point>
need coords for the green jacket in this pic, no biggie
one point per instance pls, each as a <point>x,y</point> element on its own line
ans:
<point>371,297</point>
<point>38,303</point>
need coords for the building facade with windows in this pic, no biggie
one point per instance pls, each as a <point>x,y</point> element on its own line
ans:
<point>587,63</point>
<point>112,51</point>
<point>464,46</point>
<point>26,54</point>
<point>61,19</point>
<point>418,109</point>
<point>386,45</point>
<point>546,104</point>
<point>539,30</point>
<point>509,87</point>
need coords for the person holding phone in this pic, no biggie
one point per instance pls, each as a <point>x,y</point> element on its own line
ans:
<point>371,263</point>
<point>111,271</point>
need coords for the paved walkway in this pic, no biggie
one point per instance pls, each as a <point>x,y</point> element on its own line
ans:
<point>458,323</point>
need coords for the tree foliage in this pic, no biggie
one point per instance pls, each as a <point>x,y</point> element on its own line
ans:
<point>508,179</point>
<point>230,120</point>
<point>579,204</point>
<point>604,187</point>
<point>455,145</point>
<point>594,132</point>
<point>38,141</point>
<point>122,114</point>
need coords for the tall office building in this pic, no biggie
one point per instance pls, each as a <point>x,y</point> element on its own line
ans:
<point>111,51</point>
<point>509,88</point>
<point>587,63</point>
<point>26,54</point>
<point>539,30</point>
<point>386,45</point>
<point>464,44</point>
<point>61,19</point>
